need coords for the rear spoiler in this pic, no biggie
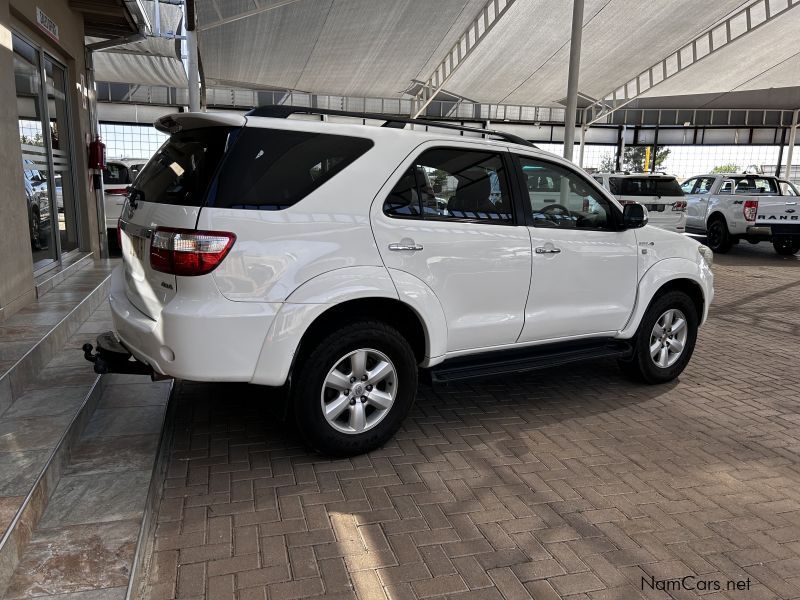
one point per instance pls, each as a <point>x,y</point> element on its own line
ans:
<point>176,122</point>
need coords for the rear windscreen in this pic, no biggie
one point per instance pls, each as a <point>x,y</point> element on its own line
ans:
<point>271,169</point>
<point>645,186</point>
<point>180,172</point>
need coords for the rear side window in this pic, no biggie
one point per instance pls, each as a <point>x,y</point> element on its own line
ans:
<point>271,169</point>
<point>180,172</point>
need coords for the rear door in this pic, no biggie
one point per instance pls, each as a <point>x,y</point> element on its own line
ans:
<point>168,192</point>
<point>449,221</point>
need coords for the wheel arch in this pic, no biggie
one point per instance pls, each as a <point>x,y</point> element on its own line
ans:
<point>671,274</point>
<point>341,296</point>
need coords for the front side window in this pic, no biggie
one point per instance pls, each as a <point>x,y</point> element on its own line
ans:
<point>272,169</point>
<point>562,198</point>
<point>453,184</point>
<point>688,186</point>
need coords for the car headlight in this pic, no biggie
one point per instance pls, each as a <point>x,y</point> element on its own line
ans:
<point>707,254</point>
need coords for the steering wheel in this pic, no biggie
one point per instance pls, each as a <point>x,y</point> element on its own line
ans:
<point>552,210</point>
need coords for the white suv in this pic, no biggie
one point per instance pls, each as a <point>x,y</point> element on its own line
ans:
<point>338,258</point>
<point>660,194</point>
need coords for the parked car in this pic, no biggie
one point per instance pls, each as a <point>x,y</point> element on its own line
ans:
<point>728,207</point>
<point>38,204</point>
<point>661,194</point>
<point>117,176</point>
<point>307,254</point>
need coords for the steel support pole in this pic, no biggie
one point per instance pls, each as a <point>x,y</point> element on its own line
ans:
<point>192,66</point>
<point>583,145</point>
<point>572,80</point>
<point>790,148</point>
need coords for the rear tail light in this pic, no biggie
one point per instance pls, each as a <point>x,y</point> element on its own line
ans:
<point>188,252</point>
<point>679,206</point>
<point>750,209</point>
<point>585,205</point>
<point>116,191</point>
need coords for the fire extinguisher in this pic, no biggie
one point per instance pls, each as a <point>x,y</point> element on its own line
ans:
<point>97,154</point>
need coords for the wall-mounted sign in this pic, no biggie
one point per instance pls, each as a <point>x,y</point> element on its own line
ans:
<point>46,23</point>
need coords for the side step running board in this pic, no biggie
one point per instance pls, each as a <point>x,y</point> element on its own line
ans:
<point>527,359</point>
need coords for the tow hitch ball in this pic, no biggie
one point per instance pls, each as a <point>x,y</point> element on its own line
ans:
<point>112,357</point>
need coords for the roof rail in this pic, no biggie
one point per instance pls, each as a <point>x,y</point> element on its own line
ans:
<point>283,112</point>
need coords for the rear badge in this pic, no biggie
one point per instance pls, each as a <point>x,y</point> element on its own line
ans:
<point>164,284</point>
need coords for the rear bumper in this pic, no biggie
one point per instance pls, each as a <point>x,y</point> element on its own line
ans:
<point>668,220</point>
<point>205,339</point>
<point>768,231</point>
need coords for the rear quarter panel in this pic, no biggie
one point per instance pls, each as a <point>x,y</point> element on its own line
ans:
<point>278,251</point>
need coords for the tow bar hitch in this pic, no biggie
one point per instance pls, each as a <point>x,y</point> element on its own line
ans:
<point>112,357</point>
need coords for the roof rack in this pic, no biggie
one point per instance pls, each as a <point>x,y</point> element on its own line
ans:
<point>392,121</point>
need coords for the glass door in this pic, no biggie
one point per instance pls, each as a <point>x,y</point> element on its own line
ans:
<point>63,189</point>
<point>35,160</point>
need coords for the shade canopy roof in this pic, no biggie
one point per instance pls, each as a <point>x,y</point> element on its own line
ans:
<point>383,48</point>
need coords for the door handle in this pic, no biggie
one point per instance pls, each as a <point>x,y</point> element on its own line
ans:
<point>401,247</point>
<point>541,250</point>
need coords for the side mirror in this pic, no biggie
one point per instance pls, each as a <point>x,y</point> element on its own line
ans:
<point>634,216</point>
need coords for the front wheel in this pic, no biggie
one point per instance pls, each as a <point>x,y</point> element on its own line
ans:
<point>352,389</point>
<point>665,340</point>
<point>786,246</point>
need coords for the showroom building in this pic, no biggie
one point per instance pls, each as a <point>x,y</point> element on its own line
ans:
<point>49,213</point>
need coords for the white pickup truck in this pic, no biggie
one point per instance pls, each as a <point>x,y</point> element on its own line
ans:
<point>729,207</point>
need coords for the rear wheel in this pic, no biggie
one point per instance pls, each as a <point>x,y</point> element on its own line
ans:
<point>353,388</point>
<point>717,236</point>
<point>786,246</point>
<point>665,340</point>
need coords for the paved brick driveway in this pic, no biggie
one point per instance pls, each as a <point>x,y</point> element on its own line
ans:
<point>570,482</point>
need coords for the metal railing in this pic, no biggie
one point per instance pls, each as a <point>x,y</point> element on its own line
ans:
<point>245,99</point>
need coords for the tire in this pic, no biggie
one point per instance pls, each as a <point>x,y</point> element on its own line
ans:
<point>786,246</point>
<point>322,372</point>
<point>643,365</point>
<point>36,229</point>
<point>717,236</point>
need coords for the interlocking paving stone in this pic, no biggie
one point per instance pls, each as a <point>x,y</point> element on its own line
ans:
<point>571,482</point>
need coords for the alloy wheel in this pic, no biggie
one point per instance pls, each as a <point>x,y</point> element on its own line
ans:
<point>668,338</point>
<point>359,391</point>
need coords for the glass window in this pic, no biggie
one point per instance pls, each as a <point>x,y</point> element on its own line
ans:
<point>270,169</point>
<point>449,183</point>
<point>403,200</point>
<point>688,185</point>
<point>650,186</point>
<point>763,185</point>
<point>115,174</point>
<point>34,142</point>
<point>562,198</point>
<point>180,172</point>
<point>704,185</point>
